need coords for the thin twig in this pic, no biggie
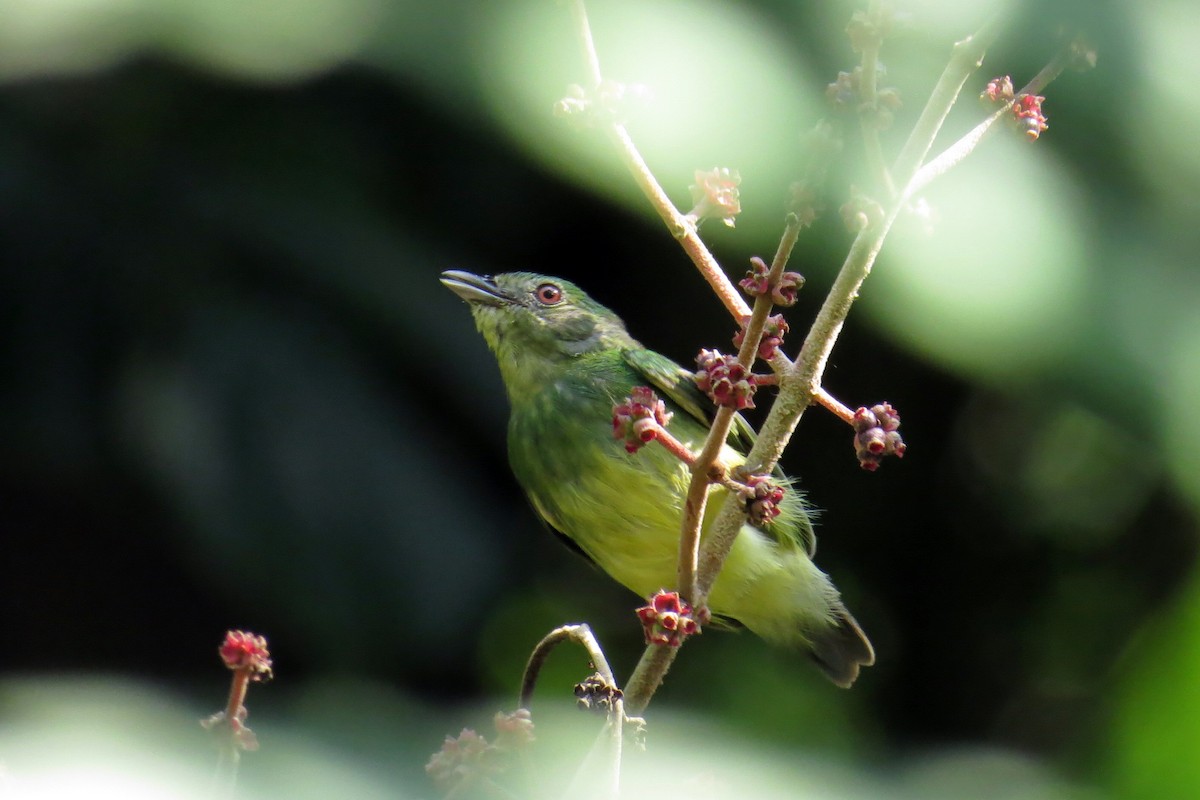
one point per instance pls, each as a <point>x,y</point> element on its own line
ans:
<point>683,229</point>
<point>831,403</point>
<point>1047,74</point>
<point>697,499</point>
<point>952,155</point>
<point>869,110</point>
<point>587,44</point>
<point>229,754</point>
<point>965,58</point>
<point>675,447</point>
<point>708,464</point>
<point>680,226</point>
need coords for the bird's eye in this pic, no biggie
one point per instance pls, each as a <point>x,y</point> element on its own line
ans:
<point>548,294</point>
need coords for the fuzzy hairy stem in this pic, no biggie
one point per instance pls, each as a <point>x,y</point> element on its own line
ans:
<point>648,676</point>
<point>587,44</point>
<point>802,382</point>
<point>955,153</point>
<point>965,58</point>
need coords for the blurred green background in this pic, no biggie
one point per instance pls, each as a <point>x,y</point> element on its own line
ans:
<point>235,395</point>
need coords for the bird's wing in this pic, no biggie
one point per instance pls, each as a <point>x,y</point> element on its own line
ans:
<point>680,387</point>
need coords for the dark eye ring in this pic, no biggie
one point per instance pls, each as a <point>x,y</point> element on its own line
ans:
<point>548,294</point>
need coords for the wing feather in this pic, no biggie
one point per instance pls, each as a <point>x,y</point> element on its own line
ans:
<point>680,388</point>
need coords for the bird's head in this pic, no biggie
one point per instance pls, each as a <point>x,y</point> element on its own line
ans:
<point>533,322</point>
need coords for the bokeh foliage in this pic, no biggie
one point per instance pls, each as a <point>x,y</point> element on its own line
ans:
<point>236,395</point>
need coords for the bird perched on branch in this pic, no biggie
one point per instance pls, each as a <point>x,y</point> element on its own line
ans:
<point>566,361</point>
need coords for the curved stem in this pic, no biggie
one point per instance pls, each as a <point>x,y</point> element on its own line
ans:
<point>581,634</point>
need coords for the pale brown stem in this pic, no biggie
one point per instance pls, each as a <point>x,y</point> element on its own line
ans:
<point>673,445</point>
<point>682,228</point>
<point>825,399</point>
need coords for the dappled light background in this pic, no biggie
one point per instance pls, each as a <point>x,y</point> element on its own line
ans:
<point>236,396</point>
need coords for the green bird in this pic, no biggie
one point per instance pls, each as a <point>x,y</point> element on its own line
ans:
<point>566,360</point>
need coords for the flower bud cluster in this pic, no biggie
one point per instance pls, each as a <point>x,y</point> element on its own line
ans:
<point>638,418</point>
<point>758,282</point>
<point>1027,111</point>
<point>463,758</point>
<point>243,650</point>
<point>514,729</point>
<point>773,332</point>
<point>762,499</point>
<point>883,112</point>
<point>877,435</point>
<point>783,293</point>
<point>715,195</point>
<point>667,619</point>
<point>596,694</point>
<point>999,90</point>
<point>870,28</point>
<point>805,202</point>
<point>845,94</point>
<point>468,758</point>
<point>725,380</point>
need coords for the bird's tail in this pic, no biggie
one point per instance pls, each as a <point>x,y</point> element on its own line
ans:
<point>841,648</point>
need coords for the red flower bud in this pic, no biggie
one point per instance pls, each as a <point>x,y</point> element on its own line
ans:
<point>667,619</point>
<point>877,435</point>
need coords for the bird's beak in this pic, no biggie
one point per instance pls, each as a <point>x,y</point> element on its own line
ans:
<point>474,288</point>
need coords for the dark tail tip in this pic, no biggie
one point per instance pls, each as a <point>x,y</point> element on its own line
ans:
<point>841,649</point>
